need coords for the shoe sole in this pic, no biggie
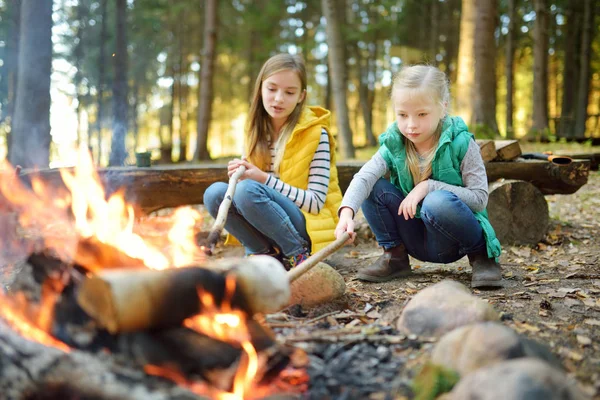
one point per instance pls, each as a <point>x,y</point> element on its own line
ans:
<point>372,278</point>
<point>487,284</point>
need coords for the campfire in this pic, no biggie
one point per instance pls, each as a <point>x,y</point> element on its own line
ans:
<point>100,281</point>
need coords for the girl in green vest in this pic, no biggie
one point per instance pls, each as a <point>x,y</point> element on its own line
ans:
<point>432,207</point>
<point>286,202</point>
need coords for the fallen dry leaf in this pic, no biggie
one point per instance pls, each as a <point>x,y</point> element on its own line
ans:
<point>524,326</point>
<point>521,251</point>
<point>533,270</point>
<point>584,340</point>
<point>573,355</point>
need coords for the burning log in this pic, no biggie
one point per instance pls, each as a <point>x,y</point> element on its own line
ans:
<point>35,371</point>
<point>127,300</point>
<point>191,353</point>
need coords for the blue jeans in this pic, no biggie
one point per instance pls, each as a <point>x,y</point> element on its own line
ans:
<point>446,231</point>
<point>261,218</point>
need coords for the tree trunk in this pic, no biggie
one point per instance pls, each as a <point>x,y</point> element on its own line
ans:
<point>166,145</point>
<point>484,86</point>
<point>466,65</point>
<point>339,77</point>
<point>452,32</point>
<point>135,114</point>
<point>101,79</point>
<point>571,69</point>
<point>364,96</point>
<point>328,90</point>
<point>583,89</point>
<point>78,55</point>
<point>11,65</point>
<point>30,139</point>
<point>509,68</point>
<point>372,74</point>
<point>540,69</point>
<point>118,153</point>
<point>252,73</point>
<point>434,26</point>
<point>182,95</point>
<point>424,27</point>
<point>206,80</point>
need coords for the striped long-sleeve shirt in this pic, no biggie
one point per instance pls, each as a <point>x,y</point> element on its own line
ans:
<point>312,199</point>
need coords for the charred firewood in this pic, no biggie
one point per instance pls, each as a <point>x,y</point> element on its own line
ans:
<point>187,351</point>
<point>31,370</point>
<point>47,264</point>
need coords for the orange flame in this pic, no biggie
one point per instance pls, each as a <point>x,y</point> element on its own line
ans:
<point>228,325</point>
<point>63,217</point>
<point>111,221</point>
<point>29,321</point>
<point>184,248</point>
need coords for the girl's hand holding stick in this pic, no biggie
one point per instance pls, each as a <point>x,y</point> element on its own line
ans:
<point>234,171</point>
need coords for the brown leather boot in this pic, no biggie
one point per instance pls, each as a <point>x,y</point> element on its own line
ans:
<point>486,271</point>
<point>392,264</point>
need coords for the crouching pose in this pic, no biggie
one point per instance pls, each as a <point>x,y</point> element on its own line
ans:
<point>433,207</point>
<point>286,202</point>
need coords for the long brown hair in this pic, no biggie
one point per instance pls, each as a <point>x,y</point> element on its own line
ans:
<point>259,125</point>
<point>422,80</point>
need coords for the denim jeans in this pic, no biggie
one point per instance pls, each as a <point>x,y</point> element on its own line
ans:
<point>261,218</point>
<point>446,231</point>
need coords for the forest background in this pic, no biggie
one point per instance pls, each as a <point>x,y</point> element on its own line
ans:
<point>175,77</point>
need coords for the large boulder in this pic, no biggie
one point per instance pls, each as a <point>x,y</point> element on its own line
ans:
<point>474,346</point>
<point>519,379</point>
<point>441,308</point>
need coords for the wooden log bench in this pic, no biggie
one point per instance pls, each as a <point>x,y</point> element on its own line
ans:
<point>158,187</point>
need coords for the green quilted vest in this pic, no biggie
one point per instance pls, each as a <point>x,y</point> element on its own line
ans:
<point>451,148</point>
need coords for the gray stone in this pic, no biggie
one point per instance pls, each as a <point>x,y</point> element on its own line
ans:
<point>474,346</point>
<point>519,379</point>
<point>441,308</point>
<point>319,285</point>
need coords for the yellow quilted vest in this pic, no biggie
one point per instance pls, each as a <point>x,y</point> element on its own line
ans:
<point>294,167</point>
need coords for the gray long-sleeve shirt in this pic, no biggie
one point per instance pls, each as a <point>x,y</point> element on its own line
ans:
<point>474,193</point>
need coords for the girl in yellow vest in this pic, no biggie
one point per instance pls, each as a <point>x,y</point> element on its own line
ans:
<point>286,202</point>
<point>433,205</point>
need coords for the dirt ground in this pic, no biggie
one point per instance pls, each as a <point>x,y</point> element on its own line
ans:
<point>551,292</point>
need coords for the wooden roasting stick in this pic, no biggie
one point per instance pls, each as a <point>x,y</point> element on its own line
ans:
<point>219,224</point>
<point>316,258</point>
<point>132,299</point>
